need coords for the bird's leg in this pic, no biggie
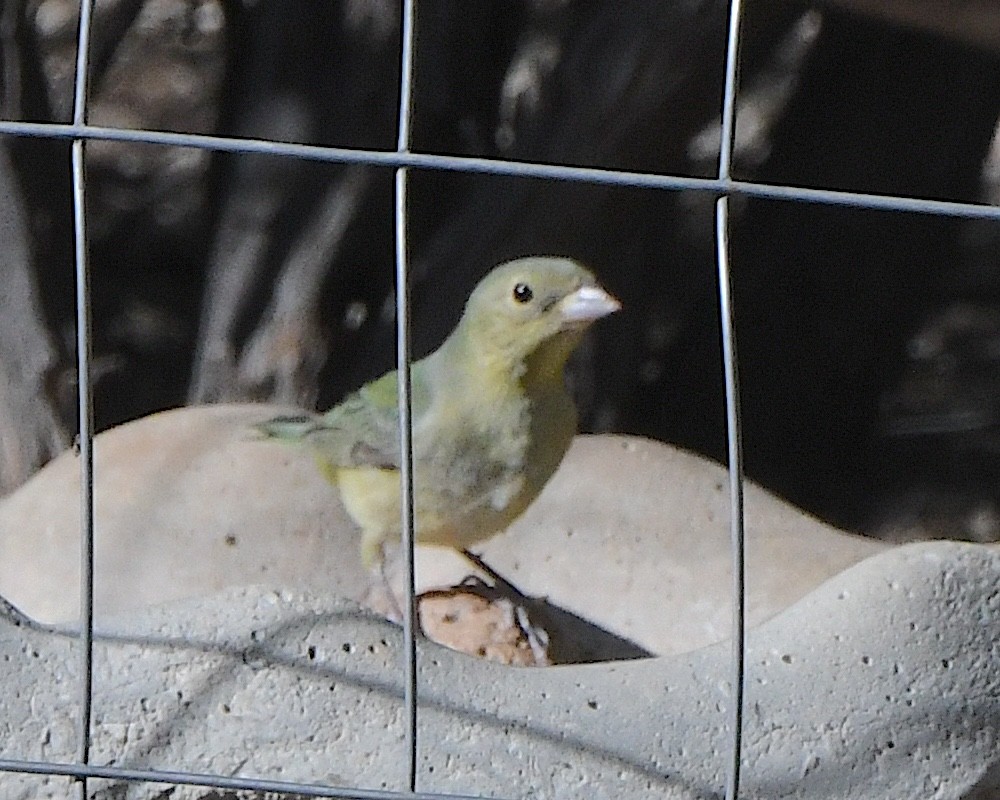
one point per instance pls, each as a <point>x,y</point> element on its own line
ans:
<point>396,609</point>
<point>537,638</point>
<point>387,584</point>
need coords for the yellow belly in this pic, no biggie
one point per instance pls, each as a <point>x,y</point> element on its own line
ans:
<point>371,497</point>
<point>465,489</point>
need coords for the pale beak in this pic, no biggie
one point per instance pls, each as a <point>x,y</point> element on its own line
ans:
<point>586,304</point>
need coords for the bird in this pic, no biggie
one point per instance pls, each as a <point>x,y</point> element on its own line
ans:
<point>491,414</point>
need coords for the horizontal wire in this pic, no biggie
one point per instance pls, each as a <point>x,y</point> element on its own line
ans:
<point>508,168</point>
<point>80,771</point>
<point>430,161</point>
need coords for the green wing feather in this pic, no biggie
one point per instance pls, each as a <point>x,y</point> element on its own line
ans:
<point>362,430</point>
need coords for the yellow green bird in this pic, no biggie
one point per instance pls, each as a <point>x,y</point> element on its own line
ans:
<point>491,415</point>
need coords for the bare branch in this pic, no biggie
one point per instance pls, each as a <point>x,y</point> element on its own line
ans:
<point>30,429</point>
<point>288,349</point>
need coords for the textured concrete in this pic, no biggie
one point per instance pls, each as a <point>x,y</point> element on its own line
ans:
<point>188,502</point>
<point>635,535</point>
<point>873,671</point>
<point>882,684</point>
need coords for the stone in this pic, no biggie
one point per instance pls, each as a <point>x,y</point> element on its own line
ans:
<point>190,501</point>
<point>228,643</point>
<point>882,684</point>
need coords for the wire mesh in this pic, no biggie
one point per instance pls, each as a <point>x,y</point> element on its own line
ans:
<point>85,398</point>
<point>402,160</point>
<point>734,436</point>
<point>403,359</point>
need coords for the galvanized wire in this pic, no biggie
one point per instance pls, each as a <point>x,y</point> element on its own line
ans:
<point>734,433</point>
<point>727,138</point>
<point>403,159</point>
<point>736,516</point>
<point>181,778</point>
<point>403,359</point>
<point>514,169</point>
<point>85,398</point>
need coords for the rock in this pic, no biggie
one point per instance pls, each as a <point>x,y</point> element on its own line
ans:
<point>875,679</point>
<point>628,525</point>
<point>881,684</point>
<point>187,502</point>
<point>190,501</point>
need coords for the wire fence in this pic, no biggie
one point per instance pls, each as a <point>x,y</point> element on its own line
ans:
<point>403,159</point>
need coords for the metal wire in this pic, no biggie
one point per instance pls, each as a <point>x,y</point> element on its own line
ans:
<point>402,160</point>
<point>734,433</point>
<point>178,778</point>
<point>515,169</point>
<point>736,518</point>
<point>403,357</point>
<point>85,399</point>
<point>727,133</point>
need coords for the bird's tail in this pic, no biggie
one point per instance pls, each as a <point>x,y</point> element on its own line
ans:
<point>291,428</point>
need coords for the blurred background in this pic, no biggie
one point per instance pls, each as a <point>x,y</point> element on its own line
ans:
<point>869,342</point>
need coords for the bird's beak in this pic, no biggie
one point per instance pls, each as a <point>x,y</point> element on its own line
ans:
<point>586,304</point>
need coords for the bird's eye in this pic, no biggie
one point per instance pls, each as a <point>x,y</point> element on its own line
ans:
<point>523,293</point>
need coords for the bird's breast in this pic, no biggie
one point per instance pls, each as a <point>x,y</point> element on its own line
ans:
<point>477,452</point>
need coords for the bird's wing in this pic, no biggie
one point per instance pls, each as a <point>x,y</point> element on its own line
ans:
<point>363,430</point>
<point>359,431</point>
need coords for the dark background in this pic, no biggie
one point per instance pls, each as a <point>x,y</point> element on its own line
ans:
<point>869,342</point>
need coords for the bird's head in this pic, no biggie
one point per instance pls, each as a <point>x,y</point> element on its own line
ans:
<point>532,306</point>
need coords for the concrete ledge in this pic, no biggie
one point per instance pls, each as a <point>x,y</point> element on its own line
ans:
<point>873,670</point>
<point>189,502</point>
<point>882,683</point>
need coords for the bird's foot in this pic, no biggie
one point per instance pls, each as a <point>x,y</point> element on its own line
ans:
<point>536,637</point>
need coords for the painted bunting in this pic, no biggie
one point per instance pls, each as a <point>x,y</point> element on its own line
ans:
<point>491,415</point>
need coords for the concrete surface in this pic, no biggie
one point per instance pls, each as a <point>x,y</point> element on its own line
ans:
<point>873,671</point>
<point>189,501</point>
<point>881,684</point>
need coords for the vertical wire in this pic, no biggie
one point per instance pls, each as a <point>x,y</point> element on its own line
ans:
<point>406,483</point>
<point>84,396</point>
<point>403,357</point>
<point>734,433</point>
<point>735,458</point>
<point>729,92</point>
